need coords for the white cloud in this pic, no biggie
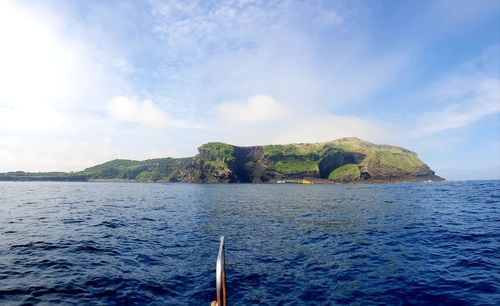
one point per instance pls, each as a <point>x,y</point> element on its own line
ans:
<point>54,75</point>
<point>467,99</point>
<point>51,80</point>
<point>35,155</point>
<point>297,52</point>
<point>42,64</point>
<point>9,140</point>
<point>264,120</point>
<point>33,119</point>
<point>143,112</point>
<point>34,65</point>
<point>222,23</point>
<point>42,73</point>
<point>62,64</point>
<point>257,109</point>
<point>320,128</point>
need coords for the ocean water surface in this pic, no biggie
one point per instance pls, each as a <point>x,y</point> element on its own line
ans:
<point>156,244</point>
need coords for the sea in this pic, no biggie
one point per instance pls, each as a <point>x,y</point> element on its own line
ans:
<point>71,243</point>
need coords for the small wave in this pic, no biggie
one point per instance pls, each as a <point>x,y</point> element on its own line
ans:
<point>30,247</point>
<point>112,224</point>
<point>72,221</point>
<point>54,264</point>
<point>93,248</point>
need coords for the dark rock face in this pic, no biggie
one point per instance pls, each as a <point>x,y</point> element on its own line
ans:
<point>248,166</point>
<point>365,175</point>
<point>199,172</point>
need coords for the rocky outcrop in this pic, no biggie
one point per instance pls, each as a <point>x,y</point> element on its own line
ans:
<point>343,160</point>
<point>346,160</point>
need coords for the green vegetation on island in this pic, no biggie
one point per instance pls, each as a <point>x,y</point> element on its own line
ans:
<point>343,160</point>
<point>345,173</point>
<point>116,169</point>
<point>43,176</point>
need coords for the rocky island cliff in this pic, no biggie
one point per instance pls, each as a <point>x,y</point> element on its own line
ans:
<point>345,160</point>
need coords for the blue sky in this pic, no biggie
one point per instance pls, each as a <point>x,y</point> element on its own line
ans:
<point>84,82</point>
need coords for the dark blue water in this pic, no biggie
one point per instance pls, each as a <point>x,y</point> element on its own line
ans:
<point>156,244</point>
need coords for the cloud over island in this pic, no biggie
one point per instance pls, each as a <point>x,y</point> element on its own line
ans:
<point>86,82</point>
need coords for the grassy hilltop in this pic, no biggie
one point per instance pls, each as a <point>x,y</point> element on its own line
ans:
<point>343,160</point>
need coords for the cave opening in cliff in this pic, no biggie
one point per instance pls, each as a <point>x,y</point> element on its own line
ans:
<point>336,159</point>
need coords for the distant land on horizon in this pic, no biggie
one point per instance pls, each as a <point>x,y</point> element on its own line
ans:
<point>345,160</point>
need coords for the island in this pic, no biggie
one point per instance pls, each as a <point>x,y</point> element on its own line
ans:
<point>345,160</point>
